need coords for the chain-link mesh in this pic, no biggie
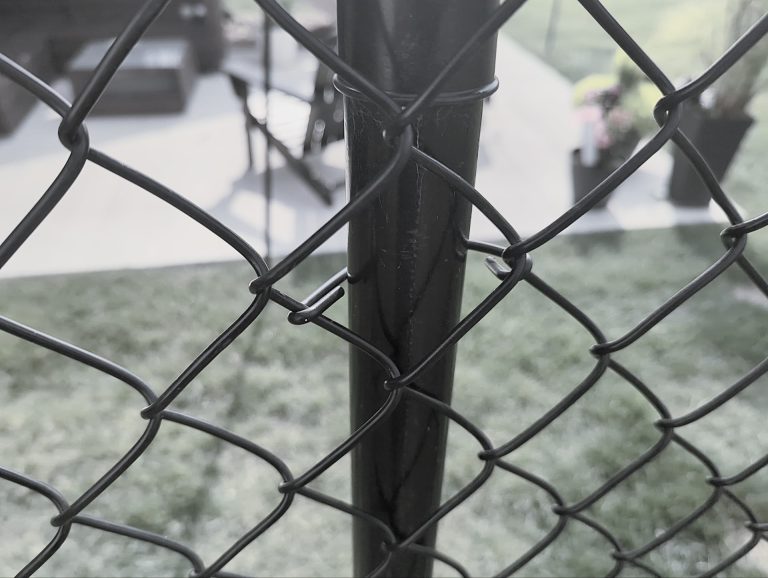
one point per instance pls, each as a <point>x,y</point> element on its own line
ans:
<point>517,268</point>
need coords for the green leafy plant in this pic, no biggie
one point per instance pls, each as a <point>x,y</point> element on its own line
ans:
<point>706,32</point>
<point>615,111</point>
<point>733,93</point>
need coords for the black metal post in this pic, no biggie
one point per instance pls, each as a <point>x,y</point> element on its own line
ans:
<point>407,253</point>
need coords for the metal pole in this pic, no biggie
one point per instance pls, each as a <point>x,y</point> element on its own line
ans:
<point>407,253</point>
<point>551,36</point>
<point>267,88</point>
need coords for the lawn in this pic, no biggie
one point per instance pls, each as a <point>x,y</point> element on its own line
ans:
<point>285,387</point>
<point>681,35</point>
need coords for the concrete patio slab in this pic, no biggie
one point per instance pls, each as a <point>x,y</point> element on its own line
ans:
<point>107,223</point>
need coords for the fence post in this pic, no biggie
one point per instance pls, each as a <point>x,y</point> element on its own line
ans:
<point>407,253</point>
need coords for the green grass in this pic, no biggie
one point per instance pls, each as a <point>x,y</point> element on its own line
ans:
<point>681,35</point>
<point>242,7</point>
<point>285,387</point>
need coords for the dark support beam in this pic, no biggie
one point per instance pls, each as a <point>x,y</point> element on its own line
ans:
<point>407,252</point>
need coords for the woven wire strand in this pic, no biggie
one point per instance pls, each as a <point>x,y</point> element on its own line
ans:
<point>516,253</point>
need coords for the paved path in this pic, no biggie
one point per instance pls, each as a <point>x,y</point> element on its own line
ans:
<point>106,223</point>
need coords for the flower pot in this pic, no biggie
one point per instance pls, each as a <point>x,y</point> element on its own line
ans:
<point>587,178</point>
<point>718,140</point>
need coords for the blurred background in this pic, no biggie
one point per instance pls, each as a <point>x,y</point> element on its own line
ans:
<point>119,272</point>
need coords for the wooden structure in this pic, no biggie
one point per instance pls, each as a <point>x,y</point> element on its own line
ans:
<point>47,34</point>
<point>156,77</point>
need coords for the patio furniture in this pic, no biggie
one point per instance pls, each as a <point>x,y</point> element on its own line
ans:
<point>46,34</point>
<point>15,102</point>
<point>69,24</point>
<point>157,76</point>
<point>326,115</point>
<point>324,124</point>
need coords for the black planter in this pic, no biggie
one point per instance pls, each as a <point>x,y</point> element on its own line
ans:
<point>587,178</point>
<point>718,140</point>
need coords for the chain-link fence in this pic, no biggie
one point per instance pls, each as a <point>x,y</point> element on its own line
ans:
<point>512,263</point>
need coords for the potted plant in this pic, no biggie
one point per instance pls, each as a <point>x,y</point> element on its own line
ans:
<point>718,122</point>
<point>614,111</point>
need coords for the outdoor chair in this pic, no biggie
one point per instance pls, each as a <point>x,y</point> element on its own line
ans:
<point>324,123</point>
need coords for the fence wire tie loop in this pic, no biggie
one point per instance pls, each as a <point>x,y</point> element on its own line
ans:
<point>500,271</point>
<point>408,116</point>
<point>312,312</point>
<point>320,299</point>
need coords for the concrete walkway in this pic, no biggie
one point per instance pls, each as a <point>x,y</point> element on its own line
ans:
<point>107,223</point>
